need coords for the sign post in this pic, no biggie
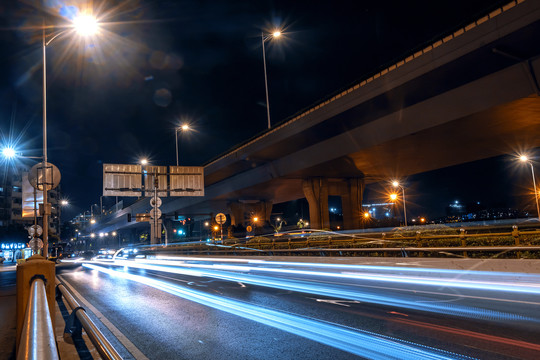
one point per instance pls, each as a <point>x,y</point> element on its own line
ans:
<point>220,219</point>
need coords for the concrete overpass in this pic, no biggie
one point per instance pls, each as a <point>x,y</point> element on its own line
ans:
<point>471,95</point>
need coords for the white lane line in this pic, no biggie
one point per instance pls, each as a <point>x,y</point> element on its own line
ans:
<point>137,354</point>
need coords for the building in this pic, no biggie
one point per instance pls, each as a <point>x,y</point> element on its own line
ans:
<point>17,199</point>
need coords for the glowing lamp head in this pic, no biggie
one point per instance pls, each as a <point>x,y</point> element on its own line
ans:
<point>93,221</point>
<point>366,215</point>
<point>65,203</point>
<point>144,161</point>
<point>85,25</point>
<point>395,183</point>
<point>216,228</point>
<point>523,158</point>
<point>255,219</point>
<point>114,233</point>
<point>393,196</point>
<point>184,127</point>
<point>8,152</point>
<point>276,34</point>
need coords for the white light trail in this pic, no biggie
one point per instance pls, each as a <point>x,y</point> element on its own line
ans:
<point>334,290</point>
<point>361,343</point>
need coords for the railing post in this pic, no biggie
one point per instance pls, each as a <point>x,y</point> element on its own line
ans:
<point>34,266</point>
<point>419,243</point>
<point>515,234</point>
<point>383,237</point>
<point>462,233</point>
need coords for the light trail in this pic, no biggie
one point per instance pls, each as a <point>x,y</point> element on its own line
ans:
<point>333,291</point>
<point>531,282</point>
<point>509,286</point>
<point>361,343</point>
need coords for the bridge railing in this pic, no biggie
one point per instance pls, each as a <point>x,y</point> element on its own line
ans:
<point>105,349</point>
<point>37,337</point>
<point>516,243</point>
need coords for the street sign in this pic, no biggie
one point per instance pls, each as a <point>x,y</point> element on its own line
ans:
<point>186,180</point>
<point>35,244</point>
<point>155,175</point>
<point>155,213</point>
<point>122,180</point>
<point>32,230</point>
<point>142,217</point>
<point>221,218</point>
<point>155,202</point>
<point>36,176</point>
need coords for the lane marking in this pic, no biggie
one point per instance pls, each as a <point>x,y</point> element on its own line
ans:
<point>137,354</point>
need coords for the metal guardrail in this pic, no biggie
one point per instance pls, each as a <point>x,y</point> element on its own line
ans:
<point>37,337</point>
<point>339,244</point>
<point>102,345</point>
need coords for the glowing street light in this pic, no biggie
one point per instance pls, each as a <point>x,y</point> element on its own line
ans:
<point>144,161</point>
<point>183,128</point>
<point>396,184</point>
<point>525,159</point>
<point>84,25</point>
<point>8,152</point>
<point>274,35</point>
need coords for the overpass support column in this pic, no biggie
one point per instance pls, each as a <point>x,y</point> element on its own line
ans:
<point>316,193</point>
<point>351,202</point>
<point>236,211</point>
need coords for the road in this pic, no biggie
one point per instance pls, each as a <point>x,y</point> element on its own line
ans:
<point>211,308</point>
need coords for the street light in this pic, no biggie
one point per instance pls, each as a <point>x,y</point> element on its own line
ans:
<point>525,159</point>
<point>84,25</point>
<point>396,184</point>
<point>276,34</point>
<point>8,152</point>
<point>183,128</point>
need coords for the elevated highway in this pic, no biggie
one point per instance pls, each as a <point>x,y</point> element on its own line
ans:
<point>470,95</point>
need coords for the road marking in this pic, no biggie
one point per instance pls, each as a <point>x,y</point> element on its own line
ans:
<point>137,354</point>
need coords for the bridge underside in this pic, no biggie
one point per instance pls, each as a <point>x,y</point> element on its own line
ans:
<point>504,129</point>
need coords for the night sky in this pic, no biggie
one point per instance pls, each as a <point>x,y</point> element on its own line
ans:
<point>118,97</point>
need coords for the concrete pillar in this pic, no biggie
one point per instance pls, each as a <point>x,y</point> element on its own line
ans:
<point>316,193</point>
<point>236,212</point>
<point>351,202</point>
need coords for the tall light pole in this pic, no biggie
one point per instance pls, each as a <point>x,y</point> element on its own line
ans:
<point>525,159</point>
<point>84,25</point>
<point>264,38</point>
<point>184,127</point>
<point>396,184</point>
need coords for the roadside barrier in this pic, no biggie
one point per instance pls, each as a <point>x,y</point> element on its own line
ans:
<point>79,320</point>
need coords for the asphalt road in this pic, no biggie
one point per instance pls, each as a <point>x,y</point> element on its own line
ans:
<point>199,309</point>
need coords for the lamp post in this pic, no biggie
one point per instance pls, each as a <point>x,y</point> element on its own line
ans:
<point>525,159</point>
<point>184,127</point>
<point>264,38</point>
<point>396,184</point>
<point>84,25</point>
